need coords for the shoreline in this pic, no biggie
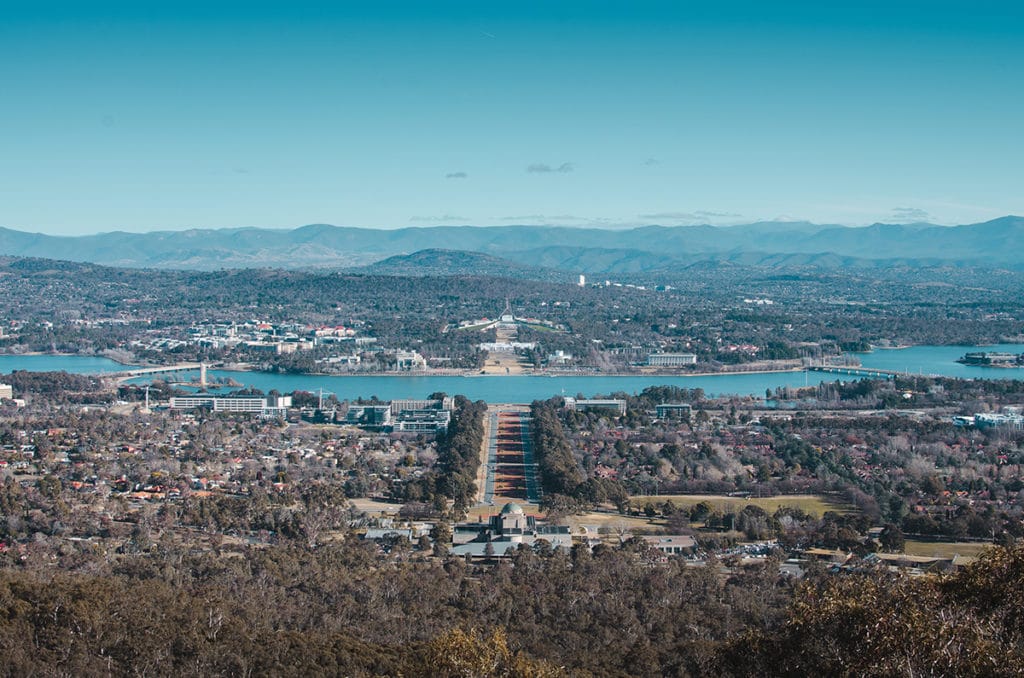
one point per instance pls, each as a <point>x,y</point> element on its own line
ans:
<point>540,375</point>
<point>242,368</point>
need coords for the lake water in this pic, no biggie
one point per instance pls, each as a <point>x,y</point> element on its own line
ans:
<point>941,360</point>
<point>928,360</point>
<point>76,364</point>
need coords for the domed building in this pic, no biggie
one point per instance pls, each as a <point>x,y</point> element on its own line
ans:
<point>505,532</point>
<point>513,523</point>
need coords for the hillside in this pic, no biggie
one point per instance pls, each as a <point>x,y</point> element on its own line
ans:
<point>433,262</point>
<point>997,243</point>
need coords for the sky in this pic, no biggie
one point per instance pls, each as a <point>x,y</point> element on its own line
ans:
<point>142,116</point>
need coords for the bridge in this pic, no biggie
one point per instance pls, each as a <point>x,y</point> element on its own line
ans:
<point>144,371</point>
<point>854,371</point>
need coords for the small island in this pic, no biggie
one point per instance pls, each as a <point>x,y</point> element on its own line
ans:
<point>992,359</point>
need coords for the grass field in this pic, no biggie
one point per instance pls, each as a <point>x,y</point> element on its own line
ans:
<point>375,507</point>
<point>944,549</point>
<point>614,522</point>
<point>810,503</point>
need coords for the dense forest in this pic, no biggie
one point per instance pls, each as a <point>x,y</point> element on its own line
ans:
<point>340,610</point>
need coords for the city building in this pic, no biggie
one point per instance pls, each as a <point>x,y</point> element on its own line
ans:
<point>6,391</point>
<point>1002,420</point>
<point>618,406</point>
<point>263,405</point>
<point>506,346</point>
<point>672,410</point>
<point>369,416</point>
<point>399,406</point>
<point>422,421</point>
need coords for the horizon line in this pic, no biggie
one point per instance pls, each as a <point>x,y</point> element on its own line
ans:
<point>524,224</point>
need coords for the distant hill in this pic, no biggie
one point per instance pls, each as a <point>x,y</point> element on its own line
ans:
<point>594,251</point>
<point>594,259</point>
<point>456,262</point>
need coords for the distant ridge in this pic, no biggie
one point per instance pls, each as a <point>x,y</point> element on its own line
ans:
<point>998,244</point>
<point>434,262</point>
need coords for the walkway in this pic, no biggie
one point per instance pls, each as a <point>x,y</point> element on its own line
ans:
<point>511,472</point>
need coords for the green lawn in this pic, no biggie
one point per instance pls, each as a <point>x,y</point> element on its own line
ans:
<point>476,327</point>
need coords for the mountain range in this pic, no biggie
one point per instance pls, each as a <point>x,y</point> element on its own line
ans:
<point>537,251</point>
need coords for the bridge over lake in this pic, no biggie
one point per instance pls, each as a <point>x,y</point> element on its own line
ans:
<point>136,372</point>
<point>852,371</point>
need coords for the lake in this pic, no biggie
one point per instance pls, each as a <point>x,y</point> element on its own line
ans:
<point>928,360</point>
<point>76,364</point>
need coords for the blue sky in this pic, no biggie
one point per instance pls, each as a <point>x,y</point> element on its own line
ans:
<point>144,116</point>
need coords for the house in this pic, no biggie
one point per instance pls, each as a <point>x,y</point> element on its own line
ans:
<point>915,564</point>
<point>671,544</point>
<point>835,557</point>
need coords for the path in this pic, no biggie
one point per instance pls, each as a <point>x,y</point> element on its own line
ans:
<point>511,472</point>
<point>504,362</point>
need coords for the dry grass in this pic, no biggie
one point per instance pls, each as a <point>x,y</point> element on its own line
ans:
<point>504,363</point>
<point>812,504</point>
<point>944,549</point>
<point>372,507</point>
<point>614,522</point>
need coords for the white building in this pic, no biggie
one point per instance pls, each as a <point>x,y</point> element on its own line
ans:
<point>399,406</point>
<point>559,357</point>
<point>265,405</point>
<point>502,534</point>
<point>1004,420</point>
<point>671,359</point>
<point>410,360</point>
<point>6,391</point>
<point>618,406</point>
<point>672,544</point>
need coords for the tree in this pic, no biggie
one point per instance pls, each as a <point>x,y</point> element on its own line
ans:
<point>892,539</point>
<point>441,533</point>
<point>876,624</point>
<point>459,653</point>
